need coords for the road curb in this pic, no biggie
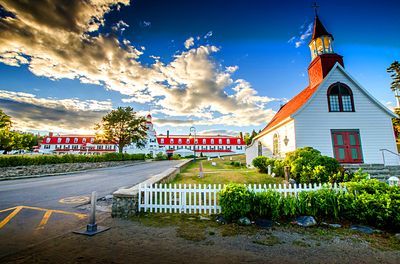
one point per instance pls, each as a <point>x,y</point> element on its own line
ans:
<point>67,173</point>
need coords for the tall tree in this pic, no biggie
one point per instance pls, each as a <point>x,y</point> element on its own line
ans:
<point>122,126</point>
<point>394,70</point>
<point>5,120</point>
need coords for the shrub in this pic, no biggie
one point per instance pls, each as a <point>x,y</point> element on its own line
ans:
<point>176,157</point>
<point>262,162</point>
<point>235,201</point>
<point>24,160</point>
<point>307,165</point>
<point>366,202</point>
<point>160,156</point>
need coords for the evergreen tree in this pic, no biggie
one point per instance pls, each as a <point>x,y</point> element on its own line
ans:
<point>394,70</point>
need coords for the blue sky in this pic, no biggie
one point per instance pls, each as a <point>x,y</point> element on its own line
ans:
<point>241,61</point>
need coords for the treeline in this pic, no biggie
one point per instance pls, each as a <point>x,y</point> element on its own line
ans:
<point>24,160</point>
<point>14,140</point>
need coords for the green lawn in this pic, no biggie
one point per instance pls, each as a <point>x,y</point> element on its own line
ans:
<point>223,173</point>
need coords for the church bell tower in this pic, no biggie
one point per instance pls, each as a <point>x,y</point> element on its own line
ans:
<point>323,58</point>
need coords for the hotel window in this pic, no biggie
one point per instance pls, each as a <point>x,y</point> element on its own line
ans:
<point>162,141</point>
<point>340,98</point>
<point>228,141</point>
<point>91,140</point>
<point>171,141</point>
<point>48,140</point>
<point>180,141</point>
<point>238,141</point>
<point>204,141</point>
<point>188,141</point>
<point>196,141</point>
<point>83,140</point>
<point>67,140</point>
<point>220,141</point>
<point>58,140</point>
<point>212,141</point>
<point>75,140</point>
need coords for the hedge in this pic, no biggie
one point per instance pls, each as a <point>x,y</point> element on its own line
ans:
<point>24,160</point>
<point>366,202</point>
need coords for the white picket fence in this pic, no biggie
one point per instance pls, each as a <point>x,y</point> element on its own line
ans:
<point>203,198</point>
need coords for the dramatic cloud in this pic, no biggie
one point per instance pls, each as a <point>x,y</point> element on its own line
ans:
<point>48,114</point>
<point>59,39</point>
<point>189,42</point>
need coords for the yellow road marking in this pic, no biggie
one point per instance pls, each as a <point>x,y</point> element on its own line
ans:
<point>54,211</point>
<point>10,216</point>
<point>75,200</point>
<point>45,218</point>
<point>8,209</point>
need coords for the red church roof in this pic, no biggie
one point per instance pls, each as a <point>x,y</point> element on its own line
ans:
<point>289,108</point>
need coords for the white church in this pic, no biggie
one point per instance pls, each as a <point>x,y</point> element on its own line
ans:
<point>334,115</point>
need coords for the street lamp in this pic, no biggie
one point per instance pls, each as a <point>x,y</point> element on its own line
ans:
<point>193,129</point>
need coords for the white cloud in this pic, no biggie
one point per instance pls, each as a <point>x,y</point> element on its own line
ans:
<point>304,34</point>
<point>72,115</point>
<point>208,35</point>
<point>189,42</point>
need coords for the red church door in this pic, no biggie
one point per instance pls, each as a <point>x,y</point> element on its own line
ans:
<point>347,146</point>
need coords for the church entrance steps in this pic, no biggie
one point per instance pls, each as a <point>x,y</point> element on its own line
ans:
<point>376,171</point>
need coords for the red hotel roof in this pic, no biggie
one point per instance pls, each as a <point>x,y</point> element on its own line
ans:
<point>186,140</point>
<point>289,108</point>
<point>54,140</point>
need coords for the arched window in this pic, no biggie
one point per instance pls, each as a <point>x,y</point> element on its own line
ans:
<point>340,98</point>
<point>275,145</point>
<point>259,149</point>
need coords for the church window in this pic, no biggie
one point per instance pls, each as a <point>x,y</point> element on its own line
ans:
<point>340,98</point>
<point>275,146</point>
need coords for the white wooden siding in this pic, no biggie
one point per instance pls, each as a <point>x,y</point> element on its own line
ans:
<point>286,130</point>
<point>314,122</point>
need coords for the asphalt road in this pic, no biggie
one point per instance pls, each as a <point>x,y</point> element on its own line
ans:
<point>37,209</point>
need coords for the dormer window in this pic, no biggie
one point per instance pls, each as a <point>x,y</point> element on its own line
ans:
<point>188,141</point>
<point>83,140</point>
<point>228,141</point>
<point>212,141</point>
<point>340,98</point>
<point>59,140</point>
<point>91,140</point>
<point>48,140</point>
<point>75,140</point>
<point>162,141</point>
<point>180,141</point>
<point>220,141</point>
<point>171,141</point>
<point>67,140</point>
<point>204,141</point>
<point>238,141</point>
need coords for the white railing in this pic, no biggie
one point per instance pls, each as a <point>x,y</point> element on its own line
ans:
<point>203,198</point>
<point>390,152</point>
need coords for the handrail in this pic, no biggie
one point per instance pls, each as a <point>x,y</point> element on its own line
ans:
<point>383,155</point>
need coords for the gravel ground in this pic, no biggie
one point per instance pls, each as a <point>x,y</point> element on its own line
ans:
<point>174,239</point>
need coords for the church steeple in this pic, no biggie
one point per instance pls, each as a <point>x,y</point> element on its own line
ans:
<point>321,40</point>
<point>323,58</point>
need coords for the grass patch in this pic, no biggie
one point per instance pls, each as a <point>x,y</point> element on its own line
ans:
<point>300,243</point>
<point>223,173</point>
<point>191,232</point>
<point>235,230</point>
<point>269,241</point>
